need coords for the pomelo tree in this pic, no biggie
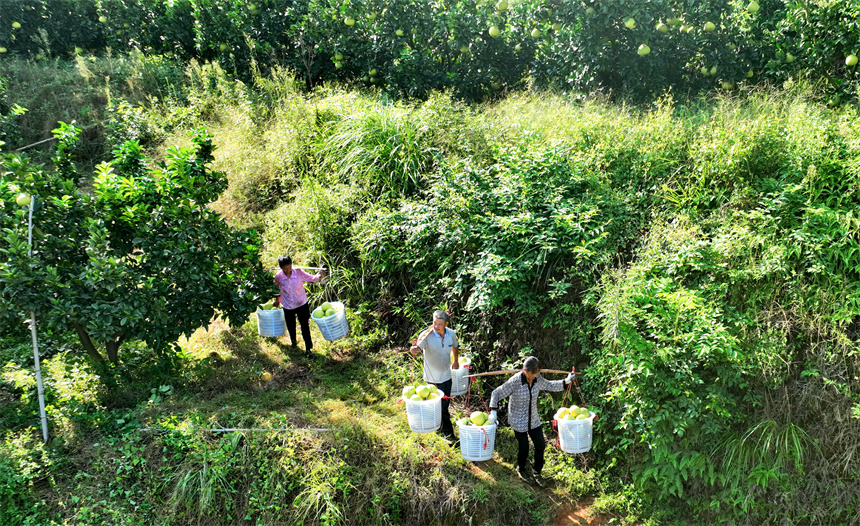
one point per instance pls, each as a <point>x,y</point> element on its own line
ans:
<point>477,48</point>
<point>49,28</point>
<point>139,257</point>
<point>820,38</point>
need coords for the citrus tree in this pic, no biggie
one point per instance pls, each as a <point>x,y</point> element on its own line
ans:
<point>141,257</point>
<point>411,47</point>
<point>644,47</point>
<point>823,41</point>
<point>153,26</point>
<point>43,28</point>
<point>477,48</point>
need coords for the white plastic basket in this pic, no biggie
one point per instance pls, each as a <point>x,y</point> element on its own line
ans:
<point>335,326</point>
<point>424,416</point>
<point>271,322</point>
<point>459,382</point>
<point>574,436</point>
<point>477,442</point>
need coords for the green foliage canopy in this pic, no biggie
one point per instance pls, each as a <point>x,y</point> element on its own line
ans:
<point>410,47</point>
<point>141,257</point>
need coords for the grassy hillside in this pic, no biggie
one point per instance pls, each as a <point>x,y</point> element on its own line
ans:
<point>323,442</point>
<point>698,258</point>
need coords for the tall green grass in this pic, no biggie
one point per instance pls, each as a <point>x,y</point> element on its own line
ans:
<point>84,90</point>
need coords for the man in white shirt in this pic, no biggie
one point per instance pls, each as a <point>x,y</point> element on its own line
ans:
<point>438,343</point>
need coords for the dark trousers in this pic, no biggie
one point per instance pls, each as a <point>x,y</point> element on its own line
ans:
<point>447,427</point>
<point>304,315</point>
<point>523,451</point>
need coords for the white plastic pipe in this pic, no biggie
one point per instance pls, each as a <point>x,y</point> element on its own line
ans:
<point>39,386</point>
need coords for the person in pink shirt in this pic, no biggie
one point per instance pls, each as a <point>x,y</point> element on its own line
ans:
<point>294,300</point>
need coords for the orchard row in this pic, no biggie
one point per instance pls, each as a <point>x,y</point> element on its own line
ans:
<point>476,48</point>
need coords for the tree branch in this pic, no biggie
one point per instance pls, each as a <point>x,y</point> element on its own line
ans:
<point>95,355</point>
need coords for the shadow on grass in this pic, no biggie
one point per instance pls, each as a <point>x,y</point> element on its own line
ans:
<point>15,414</point>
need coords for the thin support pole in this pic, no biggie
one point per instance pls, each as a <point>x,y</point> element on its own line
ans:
<point>39,385</point>
<point>240,429</point>
<point>21,149</point>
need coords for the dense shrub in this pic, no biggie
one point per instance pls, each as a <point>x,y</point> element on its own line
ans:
<point>23,463</point>
<point>716,338</point>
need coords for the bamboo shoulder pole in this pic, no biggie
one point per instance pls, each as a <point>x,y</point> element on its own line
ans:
<point>512,371</point>
<point>423,335</point>
<point>303,268</point>
<point>491,373</point>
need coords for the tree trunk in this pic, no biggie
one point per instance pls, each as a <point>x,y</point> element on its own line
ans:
<point>94,354</point>
<point>113,347</point>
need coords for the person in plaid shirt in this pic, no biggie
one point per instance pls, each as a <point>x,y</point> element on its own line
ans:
<point>523,388</point>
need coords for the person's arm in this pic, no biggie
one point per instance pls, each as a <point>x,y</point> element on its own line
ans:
<point>501,392</point>
<point>455,349</point>
<point>417,347</point>
<point>419,341</point>
<point>307,277</point>
<point>277,302</point>
<point>550,385</point>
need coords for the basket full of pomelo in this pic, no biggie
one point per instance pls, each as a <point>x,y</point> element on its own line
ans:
<point>270,321</point>
<point>477,436</point>
<point>459,382</point>
<point>574,428</point>
<point>423,407</point>
<point>331,319</point>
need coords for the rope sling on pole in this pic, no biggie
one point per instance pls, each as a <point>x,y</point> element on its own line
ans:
<point>563,402</point>
<point>425,416</point>
<point>468,406</point>
<point>579,437</point>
